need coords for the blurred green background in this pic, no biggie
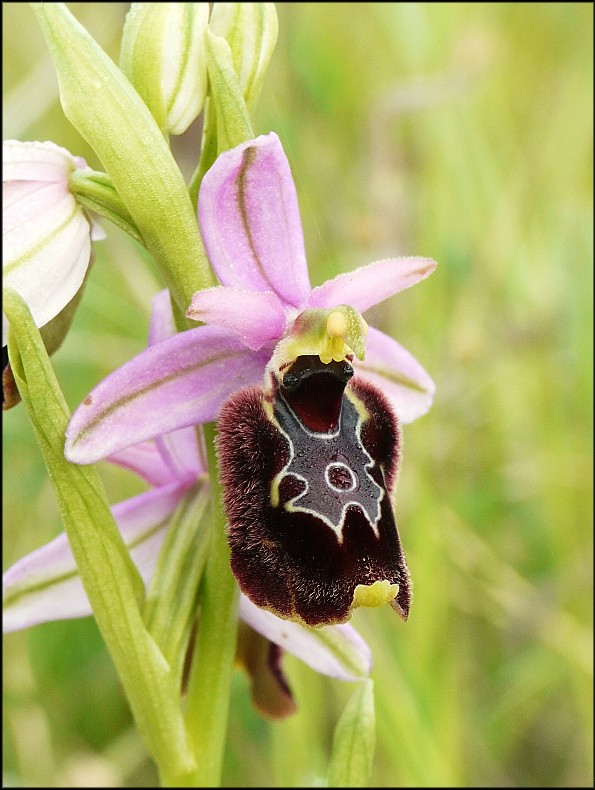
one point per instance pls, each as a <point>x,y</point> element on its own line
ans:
<point>462,132</point>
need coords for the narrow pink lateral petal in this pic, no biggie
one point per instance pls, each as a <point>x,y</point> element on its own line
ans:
<point>183,452</point>
<point>398,374</point>
<point>249,218</point>
<point>162,324</point>
<point>369,285</point>
<point>181,381</point>
<point>146,460</point>
<point>45,585</point>
<point>257,316</point>
<point>180,451</point>
<point>336,650</point>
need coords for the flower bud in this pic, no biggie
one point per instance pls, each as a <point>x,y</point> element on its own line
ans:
<point>162,54</point>
<point>45,233</point>
<point>251,30</point>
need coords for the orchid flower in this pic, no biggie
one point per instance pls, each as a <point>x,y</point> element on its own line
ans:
<point>250,223</point>
<point>308,458</point>
<point>45,585</point>
<point>309,540</point>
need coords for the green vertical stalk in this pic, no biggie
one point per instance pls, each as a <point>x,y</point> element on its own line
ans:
<point>207,703</point>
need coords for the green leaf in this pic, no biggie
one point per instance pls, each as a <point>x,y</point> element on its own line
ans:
<point>110,578</point>
<point>172,597</point>
<point>354,740</point>
<point>108,112</point>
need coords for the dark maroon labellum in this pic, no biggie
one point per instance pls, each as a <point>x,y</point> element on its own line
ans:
<point>308,472</point>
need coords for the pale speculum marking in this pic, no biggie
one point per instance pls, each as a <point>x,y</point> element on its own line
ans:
<point>339,477</point>
<point>334,468</point>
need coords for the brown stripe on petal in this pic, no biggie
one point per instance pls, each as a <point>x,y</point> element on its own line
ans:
<point>248,159</point>
<point>124,400</point>
<point>426,269</point>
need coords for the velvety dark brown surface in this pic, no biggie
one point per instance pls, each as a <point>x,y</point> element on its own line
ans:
<point>291,561</point>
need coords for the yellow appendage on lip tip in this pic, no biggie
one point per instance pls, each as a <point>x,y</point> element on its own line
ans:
<point>372,595</point>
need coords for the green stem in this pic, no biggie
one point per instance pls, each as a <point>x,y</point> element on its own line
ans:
<point>170,608</point>
<point>96,192</point>
<point>207,701</point>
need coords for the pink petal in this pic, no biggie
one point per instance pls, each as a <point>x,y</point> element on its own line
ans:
<point>45,584</point>
<point>143,522</point>
<point>146,460</point>
<point>336,650</point>
<point>181,381</point>
<point>162,323</point>
<point>369,285</point>
<point>183,453</point>
<point>250,221</point>
<point>180,451</point>
<point>34,202</point>
<point>398,374</point>
<point>257,316</point>
<point>140,514</point>
<point>46,252</point>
